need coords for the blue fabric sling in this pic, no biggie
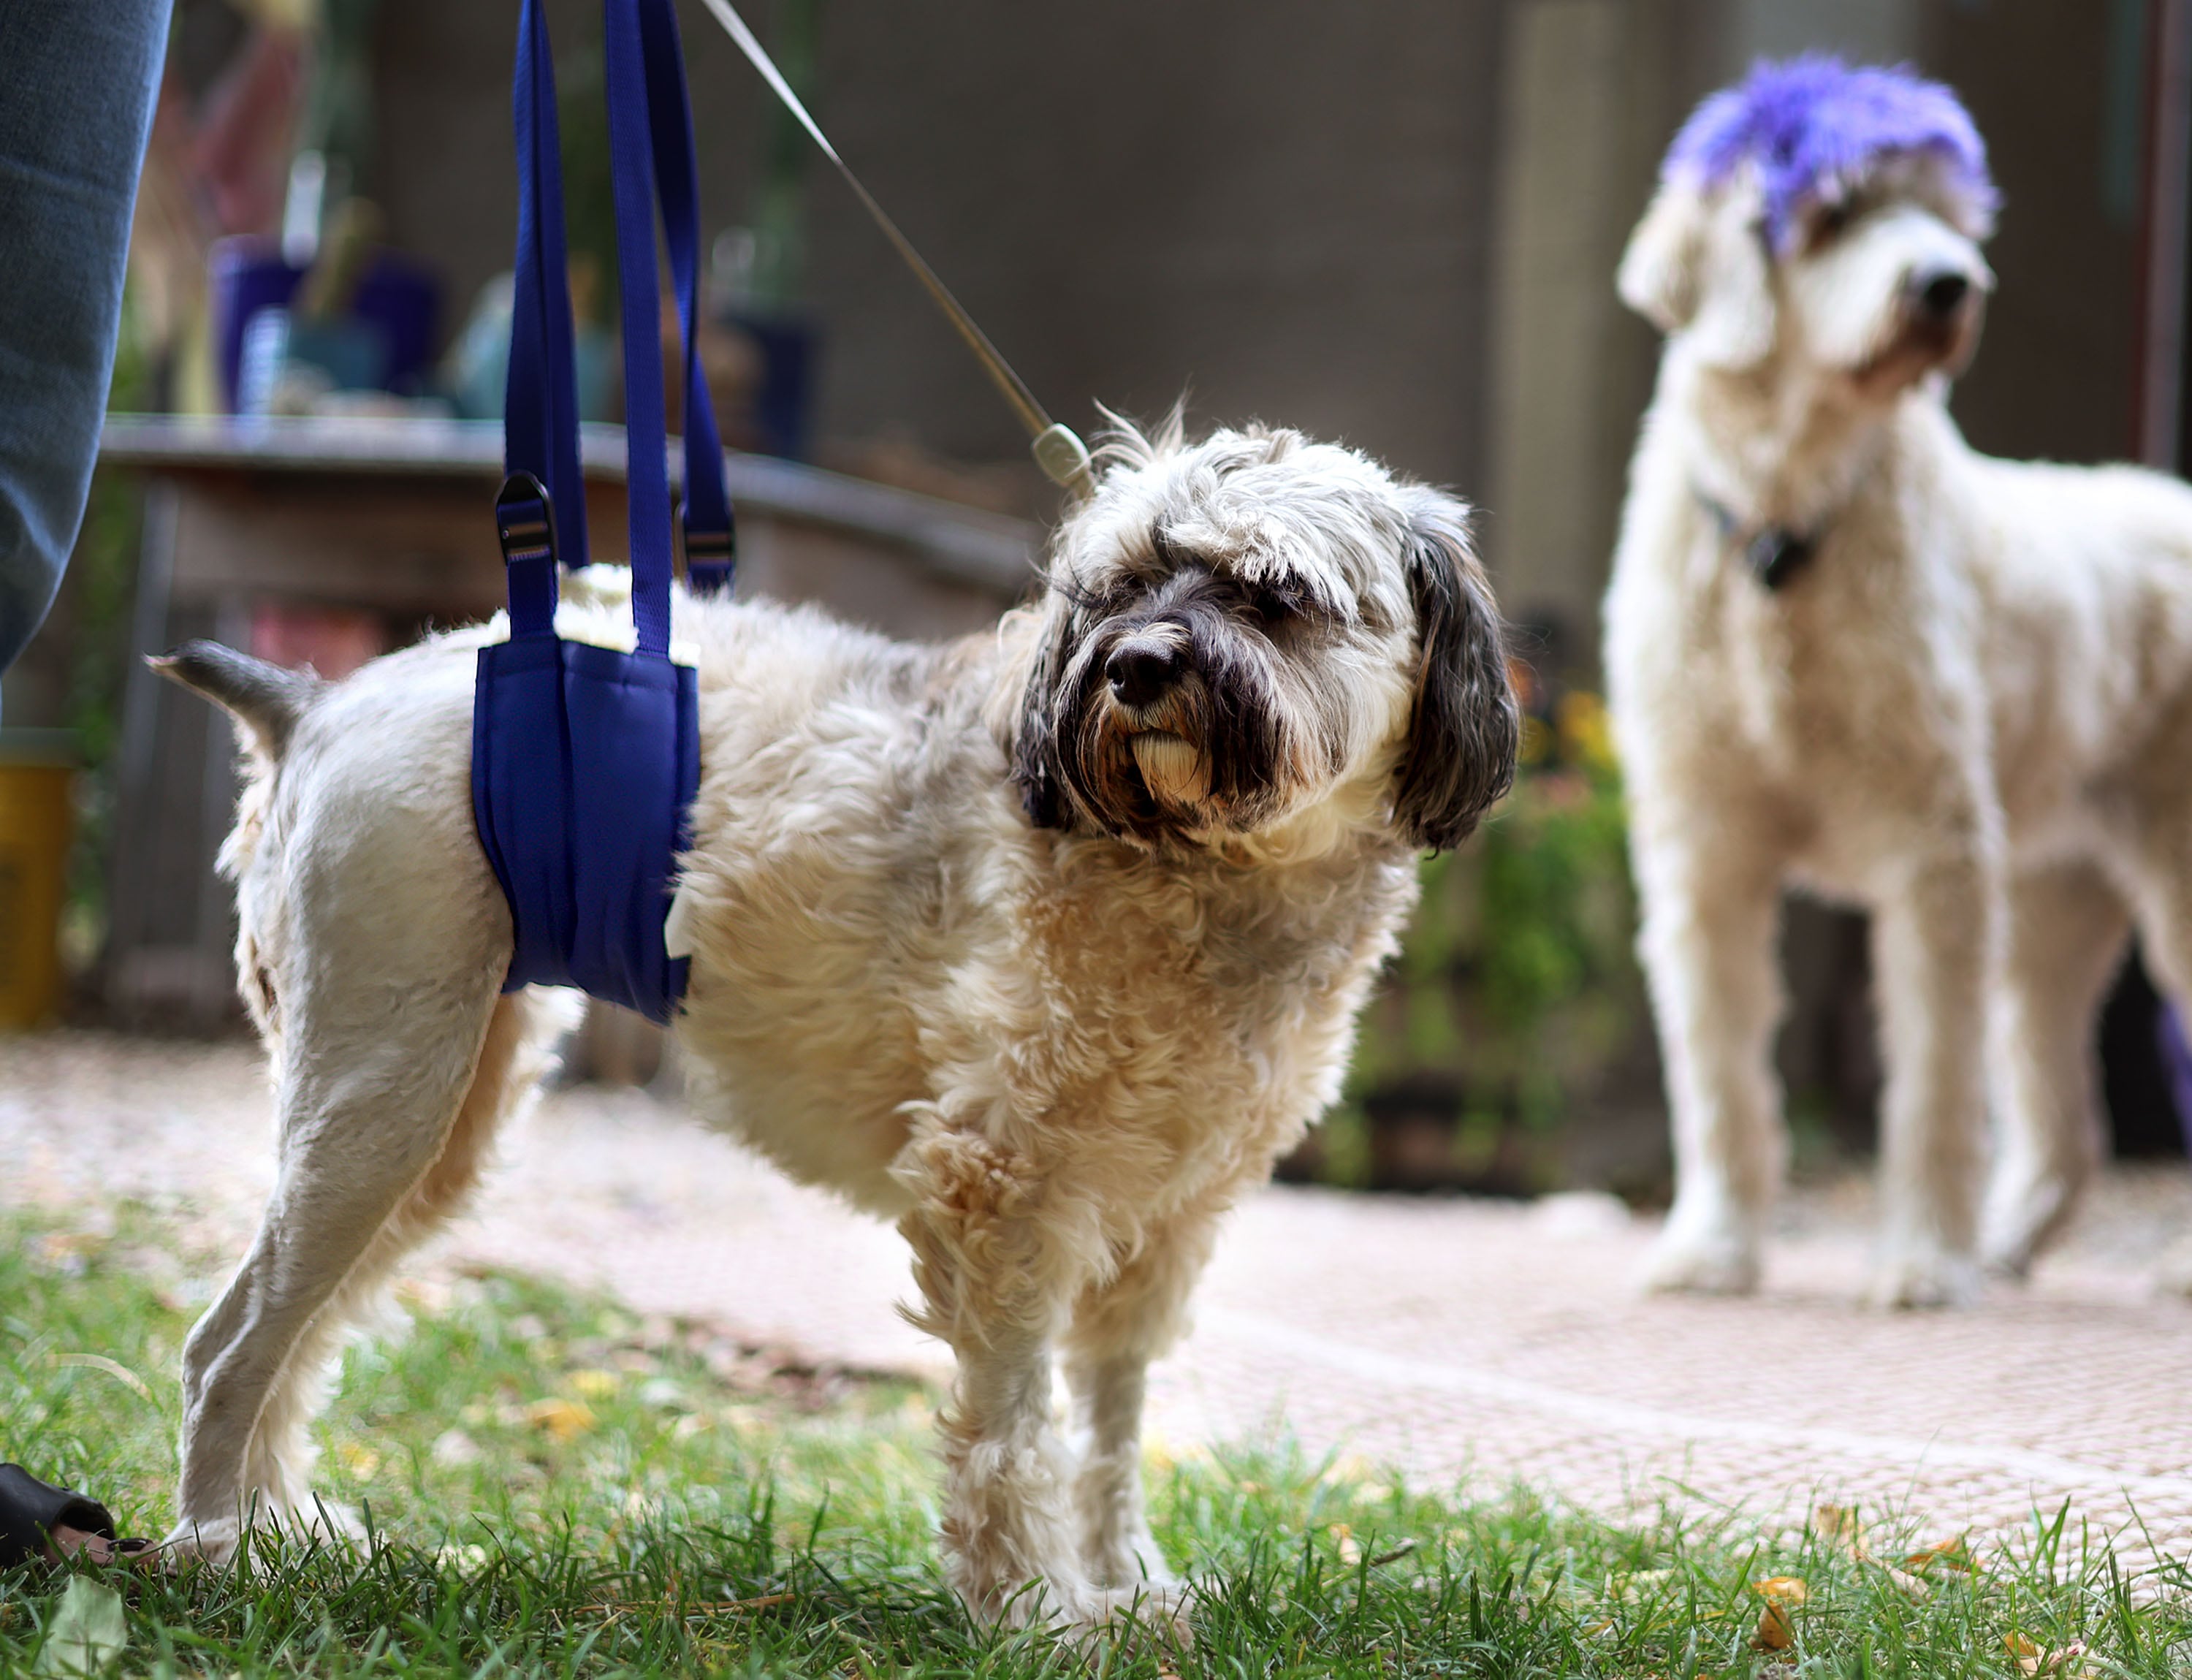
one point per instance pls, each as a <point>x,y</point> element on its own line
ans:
<point>585,760</point>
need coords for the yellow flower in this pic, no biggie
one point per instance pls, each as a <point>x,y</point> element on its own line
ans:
<point>1586,735</point>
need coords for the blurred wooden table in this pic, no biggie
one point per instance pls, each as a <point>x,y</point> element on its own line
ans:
<point>395,518</point>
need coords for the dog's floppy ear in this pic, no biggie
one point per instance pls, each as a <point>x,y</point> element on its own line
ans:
<point>1459,756</point>
<point>1037,769</point>
<point>1659,273</point>
<point>1693,269</point>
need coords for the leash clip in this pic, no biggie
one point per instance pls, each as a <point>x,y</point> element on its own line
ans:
<point>1063,459</point>
<point>524,520</point>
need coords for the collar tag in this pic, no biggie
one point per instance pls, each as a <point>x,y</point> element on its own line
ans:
<point>1776,555</point>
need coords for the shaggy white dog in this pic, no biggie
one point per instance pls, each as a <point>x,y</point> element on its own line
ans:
<point>1846,652</point>
<point>1043,944</point>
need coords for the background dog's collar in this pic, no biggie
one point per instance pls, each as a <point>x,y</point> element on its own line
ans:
<point>1774,553</point>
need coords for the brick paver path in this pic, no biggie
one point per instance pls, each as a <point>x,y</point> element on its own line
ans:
<point>1448,1339</point>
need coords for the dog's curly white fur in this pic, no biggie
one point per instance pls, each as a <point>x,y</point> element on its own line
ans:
<point>1043,944</point>
<point>1970,712</point>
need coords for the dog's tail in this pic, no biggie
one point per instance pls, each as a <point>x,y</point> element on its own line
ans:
<point>266,698</point>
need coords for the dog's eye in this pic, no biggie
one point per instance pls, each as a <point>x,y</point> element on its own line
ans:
<point>1831,220</point>
<point>1275,603</point>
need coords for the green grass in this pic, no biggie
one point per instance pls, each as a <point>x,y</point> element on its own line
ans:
<point>558,1486</point>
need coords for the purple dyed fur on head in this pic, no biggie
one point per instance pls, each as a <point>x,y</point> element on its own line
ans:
<point>1812,125</point>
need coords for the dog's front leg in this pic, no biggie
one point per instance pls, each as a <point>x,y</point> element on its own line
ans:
<point>1708,950</point>
<point>998,1270</point>
<point>1118,1327</point>
<point>1933,942</point>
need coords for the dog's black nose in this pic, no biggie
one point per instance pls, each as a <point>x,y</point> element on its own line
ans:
<point>1942,295</point>
<point>1141,672</point>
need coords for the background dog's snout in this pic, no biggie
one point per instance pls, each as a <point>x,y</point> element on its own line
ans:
<point>1941,293</point>
<point>1140,671</point>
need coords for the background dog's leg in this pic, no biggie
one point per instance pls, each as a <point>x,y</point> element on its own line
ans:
<point>2066,933</point>
<point>1934,969</point>
<point>377,1147</point>
<point>2162,902</point>
<point>1709,954</point>
<point>1117,1329</point>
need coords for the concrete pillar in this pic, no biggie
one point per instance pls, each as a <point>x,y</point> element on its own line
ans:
<point>1586,117</point>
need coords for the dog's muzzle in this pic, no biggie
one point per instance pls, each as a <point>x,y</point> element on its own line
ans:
<point>1940,294</point>
<point>1144,674</point>
<point>1146,667</point>
<point>1940,311</point>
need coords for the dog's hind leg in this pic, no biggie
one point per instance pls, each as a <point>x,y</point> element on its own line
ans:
<point>1933,938</point>
<point>1708,949</point>
<point>2159,878</point>
<point>377,1147</point>
<point>1117,1329</point>
<point>2066,931</point>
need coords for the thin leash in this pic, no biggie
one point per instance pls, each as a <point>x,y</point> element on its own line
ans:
<point>1058,450</point>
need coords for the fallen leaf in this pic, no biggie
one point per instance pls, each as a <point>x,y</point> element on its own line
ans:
<point>1348,1470</point>
<point>1954,1555</point>
<point>88,1634</point>
<point>1911,1586</point>
<point>565,1420</point>
<point>1839,1524</point>
<point>721,1606</point>
<point>2033,1659</point>
<point>68,1252</point>
<point>1776,1631</point>
<point>596,1385</point>
<point>1643,1582</point>
<point>361,1461</point>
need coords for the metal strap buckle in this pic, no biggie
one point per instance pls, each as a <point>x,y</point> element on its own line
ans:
<point>525,519</point>
<point>708,548</point>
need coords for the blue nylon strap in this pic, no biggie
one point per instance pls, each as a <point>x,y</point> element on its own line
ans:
<point>709,536</point>
<point>585,761</point>
<point>540,430</point>
<point>646,472</point>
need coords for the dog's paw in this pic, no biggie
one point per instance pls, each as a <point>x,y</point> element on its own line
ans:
<point>211,1542</point>
<point>2023,1216</point>
<point>1126,1560</point>
<point>219,1540</point>
<point>1923,1274</point>
<point>1127,1615</point>
<point>326,1522</point>
<point>1688,1260</point>
<point>2172,1273</point>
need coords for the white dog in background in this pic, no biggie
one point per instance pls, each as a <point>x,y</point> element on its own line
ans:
<point>1846,652</point>
<point>1045,944</point>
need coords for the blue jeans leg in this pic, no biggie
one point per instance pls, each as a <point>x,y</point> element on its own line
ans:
<point>76,104</point>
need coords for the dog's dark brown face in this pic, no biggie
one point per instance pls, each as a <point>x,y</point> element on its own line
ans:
<point>1251,629</point>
